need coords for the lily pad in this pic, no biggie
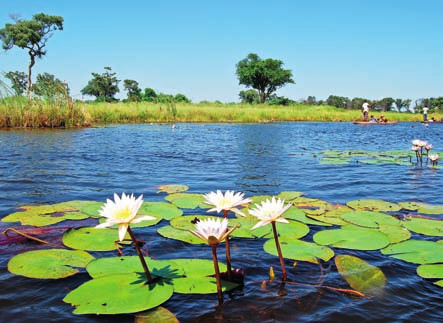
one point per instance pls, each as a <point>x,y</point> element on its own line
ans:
<point>91,238</point>
<point>116,294</point>
<point>177,234</point>
<point>159,314</point>
<point>433,271</point>
<point>352,237</point>
<point>416,251</point>
<point>198,278</point>
<point>370,219</point>
<point>187,200</point>
<point>131,264</point>
<point>429,227</point>
<point>361,275</point>
<point>289,196</point>
<point>172,188</point>
<point>160,210</point>
<point>373,205</point>
<point>49,263</point>
<point>299,250</point>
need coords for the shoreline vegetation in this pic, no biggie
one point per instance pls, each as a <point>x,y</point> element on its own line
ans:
<point>20,112</point>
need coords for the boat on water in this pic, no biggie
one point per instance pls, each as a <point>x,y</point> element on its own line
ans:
<point>428,122</point>
<point>375,123</point>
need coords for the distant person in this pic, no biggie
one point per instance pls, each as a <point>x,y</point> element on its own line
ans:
<point>365,110</point>
<point>425,113</point>
<point>382,119</point>
<point>432,119</point>
<point>373,119</point>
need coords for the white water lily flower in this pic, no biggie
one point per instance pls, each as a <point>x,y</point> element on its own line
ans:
<point>227,202</point>
<point>419,143</point>
<point>212,230</point>
<point>122,212</point>
<point>428,147</point>
<point>433,157</point>
<point>270,211</point>
<point>415,148</point>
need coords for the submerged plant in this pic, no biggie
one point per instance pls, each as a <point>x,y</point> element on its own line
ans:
<point>122,212</point>
<point>214,231</point>
<point>227,202</point>
<point>271,211</point>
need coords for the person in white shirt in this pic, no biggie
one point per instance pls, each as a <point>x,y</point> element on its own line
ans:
<point>425,113</point>
<point>365,110</point>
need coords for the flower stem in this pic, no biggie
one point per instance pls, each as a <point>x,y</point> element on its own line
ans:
<point>217,273</point>
<point>277,244</point>
<point>140,256</point>
<point>228,251</point>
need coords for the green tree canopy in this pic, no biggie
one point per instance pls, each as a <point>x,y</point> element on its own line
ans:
<point>49,87</point>
<point>249,96</point>
<point>266,76</point>
<point>18,81</point>
<point>133,90</point>
<point>149,95</point>
<point>31,35</point>
<point>103,86</point>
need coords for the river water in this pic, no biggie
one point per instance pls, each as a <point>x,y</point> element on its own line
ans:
<point>51,166</point>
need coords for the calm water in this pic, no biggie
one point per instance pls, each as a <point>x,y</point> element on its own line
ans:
<point>51,166</point>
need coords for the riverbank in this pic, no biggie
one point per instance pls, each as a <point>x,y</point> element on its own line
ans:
<point>23,113</point>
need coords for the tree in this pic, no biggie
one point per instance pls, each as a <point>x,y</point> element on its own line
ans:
<point>18,80</point>
<point>179,97</point>
<point>134,92</point>
<point>31,35</point>
<point>249,96</point>
<point>266,76</point>
<point>337,101</point>
<point>149,95</point>
<point>48,86</point>
<point>103,86</point>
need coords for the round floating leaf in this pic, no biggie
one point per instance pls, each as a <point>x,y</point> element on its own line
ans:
<point>91,238</point>
<point>187,200</point>
<point>432,271</point>
<point>373,205</point>
<point>159,314</point>
<point>335,160</point>
<point>245,225</point>
<point>160,210</point>
<point>369,219</point>
<point>297,214</point>
<point>416,251</point>
<point>395,233</point>
<point>198,280</point>
<point>299,250</point>
<point>44,215</point>
<point>429,227</point>
<point>352,237</point>
<point>49,263</point>
<point>92,208</point>
<point>360,275</point>
<point>116,294</point>
<point>430,209</point>
<point>178,234</point>
<point>172,188</point>
<point>188,222</point>
<point>131,264</point>
<point>332,217</point>
<point>289,196</point>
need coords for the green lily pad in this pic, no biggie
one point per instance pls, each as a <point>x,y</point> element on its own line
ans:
<point>49,263</point>
<point>416,251</point>
<point>187,200</point>
<point>289,196</point>
<point>299,250</point>
<point>91,238</point>
<point>177,234</point>
<point>198,279</point>
<point>432,271</point>
<point>361,275</point>
<point>131,264</point>
<point>370,219</point>
<point>160,210</point>
<point>395,233</point>
<point>429,227</point>
<point>299,215</point>
<point>335,160</point>
<point>117,294</point>
<point>158,314</point>
<point>46,215</point>
<point>172,188</point>
<point>373,205</point>
<point>352,237</point>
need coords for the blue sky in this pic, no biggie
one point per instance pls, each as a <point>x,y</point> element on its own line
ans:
<point>352,48</point>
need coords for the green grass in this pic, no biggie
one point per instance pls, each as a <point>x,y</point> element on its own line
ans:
<point>19,112</point>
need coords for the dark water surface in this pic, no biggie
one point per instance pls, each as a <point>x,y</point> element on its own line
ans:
<point>51,166</point>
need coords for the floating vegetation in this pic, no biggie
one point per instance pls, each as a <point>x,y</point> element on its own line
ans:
<point>308,229</point>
